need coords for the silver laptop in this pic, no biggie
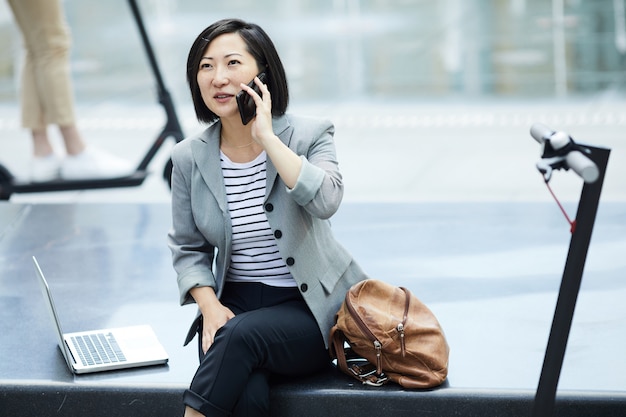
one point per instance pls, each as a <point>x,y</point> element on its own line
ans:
<point>105,349</point>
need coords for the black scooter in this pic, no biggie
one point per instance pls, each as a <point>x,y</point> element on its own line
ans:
<point>9,185</point>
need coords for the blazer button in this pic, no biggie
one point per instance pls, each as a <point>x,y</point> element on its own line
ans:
<point>304,287</point>
<point>278,234</point>
<point>290,261</point>
<point>269,207</point>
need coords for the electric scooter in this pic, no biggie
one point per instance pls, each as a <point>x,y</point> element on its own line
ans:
<point>172,129</point>
<point>590,163</point>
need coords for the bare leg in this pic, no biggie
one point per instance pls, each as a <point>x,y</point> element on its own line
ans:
<point>190,412</point>
<point>41,143</point>
<point>46,164</point>
<point>74,143</point>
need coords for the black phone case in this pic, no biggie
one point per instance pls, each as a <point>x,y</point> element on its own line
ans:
<point>247,107</point>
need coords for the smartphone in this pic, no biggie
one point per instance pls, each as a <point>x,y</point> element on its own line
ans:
<point>247,107</point>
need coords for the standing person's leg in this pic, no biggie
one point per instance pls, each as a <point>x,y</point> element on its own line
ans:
<point>233,376</point>
<point>45,86</point>
<point>46,89</point>
<point>47,96</point>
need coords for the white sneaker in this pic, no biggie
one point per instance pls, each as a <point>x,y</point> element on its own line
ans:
<point>45,168</point>
<point>94,163</point>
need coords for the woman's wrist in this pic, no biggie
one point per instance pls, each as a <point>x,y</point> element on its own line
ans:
<point>268,141</point>
<point>204,297</point>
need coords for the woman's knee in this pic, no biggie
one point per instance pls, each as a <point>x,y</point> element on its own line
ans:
<point>243,331</point>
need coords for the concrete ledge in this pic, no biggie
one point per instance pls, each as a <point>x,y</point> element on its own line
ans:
<point>328,394</point>
<point>49,398</point>
<point>334,394</point>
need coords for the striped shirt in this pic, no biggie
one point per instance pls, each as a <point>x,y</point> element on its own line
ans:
<point>255,256</point>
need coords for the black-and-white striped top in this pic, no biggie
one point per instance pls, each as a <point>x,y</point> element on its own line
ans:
<point>255,256</point>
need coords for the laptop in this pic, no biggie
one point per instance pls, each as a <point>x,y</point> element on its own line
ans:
<point>105,349</point>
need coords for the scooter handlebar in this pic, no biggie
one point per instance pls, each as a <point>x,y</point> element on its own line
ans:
<point>583,166</point>
<point>575,159</point>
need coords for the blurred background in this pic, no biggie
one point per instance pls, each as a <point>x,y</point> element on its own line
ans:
<point>357,49</point>
<point>416,70</point>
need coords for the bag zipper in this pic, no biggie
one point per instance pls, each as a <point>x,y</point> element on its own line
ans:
<point>368,333</point>
<point>400,326</point>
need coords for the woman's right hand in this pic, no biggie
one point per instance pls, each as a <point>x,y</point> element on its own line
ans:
<point>214,314</point>
<point>212,321</point>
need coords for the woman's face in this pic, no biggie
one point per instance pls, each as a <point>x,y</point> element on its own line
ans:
<point>225,64</point>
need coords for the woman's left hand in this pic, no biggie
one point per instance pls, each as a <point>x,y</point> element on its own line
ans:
<point>261,125</point>
<point>286,162</point>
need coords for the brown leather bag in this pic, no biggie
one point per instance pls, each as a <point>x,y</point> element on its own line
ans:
<point>393,334</point>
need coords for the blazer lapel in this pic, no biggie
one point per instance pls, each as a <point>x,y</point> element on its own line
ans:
<point>283,130</point>
<point>206,154</point>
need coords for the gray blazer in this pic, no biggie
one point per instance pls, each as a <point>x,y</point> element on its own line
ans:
<point>201,233</point>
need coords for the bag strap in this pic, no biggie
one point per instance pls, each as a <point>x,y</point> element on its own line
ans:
<point>358,368</point>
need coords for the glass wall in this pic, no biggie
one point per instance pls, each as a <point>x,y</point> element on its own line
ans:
<point>355,49</point>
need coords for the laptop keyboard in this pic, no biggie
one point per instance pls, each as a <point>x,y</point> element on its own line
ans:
<point>97,349</point>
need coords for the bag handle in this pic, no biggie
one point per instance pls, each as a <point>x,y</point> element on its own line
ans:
<point>360,369</point>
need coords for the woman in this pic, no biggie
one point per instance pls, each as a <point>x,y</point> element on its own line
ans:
<point>250,239</point>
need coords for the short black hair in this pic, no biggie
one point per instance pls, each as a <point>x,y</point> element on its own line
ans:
<point>258,44</point>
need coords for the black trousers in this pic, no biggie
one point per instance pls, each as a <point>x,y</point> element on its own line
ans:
<point>273,332</point>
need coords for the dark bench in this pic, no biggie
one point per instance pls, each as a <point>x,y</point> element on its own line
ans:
<point>327,394</point>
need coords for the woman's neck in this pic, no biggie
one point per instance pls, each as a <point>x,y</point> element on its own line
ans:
<point>237,143</point>
<point>234,132</point>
